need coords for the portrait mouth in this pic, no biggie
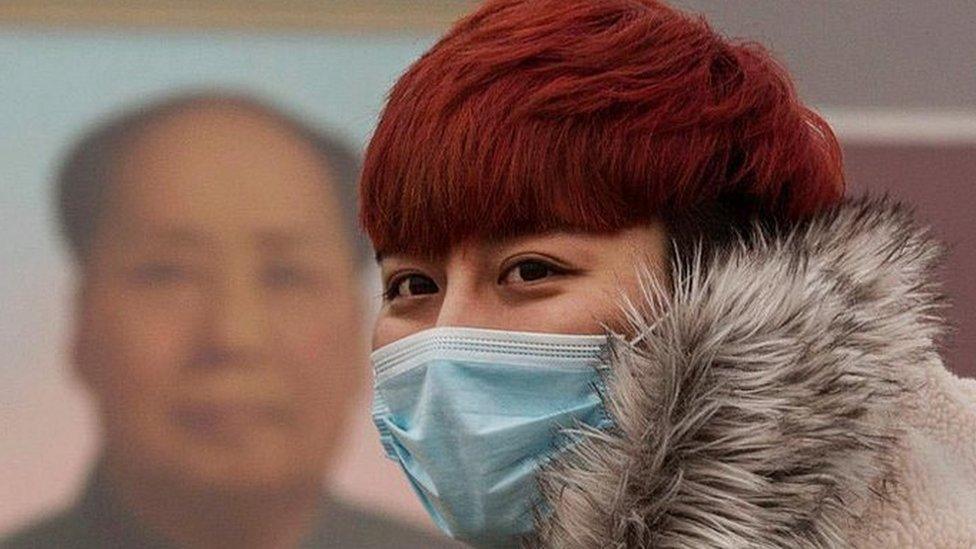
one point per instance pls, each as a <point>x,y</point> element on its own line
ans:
<point>228,421</point>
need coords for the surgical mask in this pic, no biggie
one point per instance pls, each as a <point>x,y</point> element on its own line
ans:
<point>471,415</point>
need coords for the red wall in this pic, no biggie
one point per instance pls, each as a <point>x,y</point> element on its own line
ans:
<point>940,181</point>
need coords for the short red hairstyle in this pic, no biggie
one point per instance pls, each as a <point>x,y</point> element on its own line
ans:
<point>594,115</point>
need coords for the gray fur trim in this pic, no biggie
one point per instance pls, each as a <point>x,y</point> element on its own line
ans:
<point>757,409</point>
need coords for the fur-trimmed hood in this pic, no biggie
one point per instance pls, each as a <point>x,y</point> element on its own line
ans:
<point>788,394</point>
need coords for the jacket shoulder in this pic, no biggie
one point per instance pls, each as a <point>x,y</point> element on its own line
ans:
<point>931,496</point>
<point>62,530</point>
<point>348,526</point>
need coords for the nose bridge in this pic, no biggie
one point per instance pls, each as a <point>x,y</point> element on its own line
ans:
<point>465,301</point>
<point>236,317</point>
<point>454,310</point>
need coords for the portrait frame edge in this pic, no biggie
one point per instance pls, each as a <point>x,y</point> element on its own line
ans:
<point>288,16</point>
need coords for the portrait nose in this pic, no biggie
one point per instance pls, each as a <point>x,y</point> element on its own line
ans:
<point>235,321</point>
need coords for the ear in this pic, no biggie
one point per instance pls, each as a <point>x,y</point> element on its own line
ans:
<point>357,327</point>
<point>81,346</point>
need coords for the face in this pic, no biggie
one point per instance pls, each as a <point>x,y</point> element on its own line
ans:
<point>569,283</point>
<point>218,317</point>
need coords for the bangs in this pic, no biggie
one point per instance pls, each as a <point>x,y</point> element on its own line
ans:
<point>502,180</point>
<point>533,116</point>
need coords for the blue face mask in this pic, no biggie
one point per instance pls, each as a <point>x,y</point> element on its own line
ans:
<point>471,414</point>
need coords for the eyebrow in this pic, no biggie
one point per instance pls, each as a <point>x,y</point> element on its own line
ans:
<point>181,236</point>
<point>381,256</point>
<point>279,240</point>
<point>274,240</point>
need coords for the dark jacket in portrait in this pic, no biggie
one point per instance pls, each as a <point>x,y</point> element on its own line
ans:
<point>97,520</point>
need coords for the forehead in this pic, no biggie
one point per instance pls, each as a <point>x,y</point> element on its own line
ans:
<point>222,166</point>
<point>583,246</point>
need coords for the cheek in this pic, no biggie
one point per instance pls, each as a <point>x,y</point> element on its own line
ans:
<point>388,329</point>
<point>321,357</point>
<point>322,350</point>
<point>583,307</point>
<point>133,351</point>
<point>565,314</point>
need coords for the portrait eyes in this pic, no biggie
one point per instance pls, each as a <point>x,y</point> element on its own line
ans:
<point>161,273</point>
<point>286,276</point>
<point>276,276</point>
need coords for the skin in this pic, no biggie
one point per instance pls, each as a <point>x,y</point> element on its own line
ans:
<point>217,328</point>
<point>561,282</point>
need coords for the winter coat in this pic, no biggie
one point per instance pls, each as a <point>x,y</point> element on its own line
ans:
<point>789,393</point>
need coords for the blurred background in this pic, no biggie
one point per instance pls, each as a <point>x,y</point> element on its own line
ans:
<point>896,79</point>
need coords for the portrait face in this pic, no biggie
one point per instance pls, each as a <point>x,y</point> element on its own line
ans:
<point>217,321</point>
<point>560,282</point>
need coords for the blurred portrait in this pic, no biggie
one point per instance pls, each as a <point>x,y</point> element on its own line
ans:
<point>217,326</point>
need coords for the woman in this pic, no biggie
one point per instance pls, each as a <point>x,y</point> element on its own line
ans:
<point>627,306</point>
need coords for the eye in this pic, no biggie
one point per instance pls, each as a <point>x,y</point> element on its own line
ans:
<point>288,276</point>
<point>530,270</point>
<point>410,285</point>
<point>159,273</point>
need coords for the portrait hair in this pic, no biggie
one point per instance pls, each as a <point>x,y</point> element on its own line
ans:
<point>84,180</point>
<point>596,115</point>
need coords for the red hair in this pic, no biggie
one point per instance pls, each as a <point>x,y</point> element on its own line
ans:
<point>594,115</point>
